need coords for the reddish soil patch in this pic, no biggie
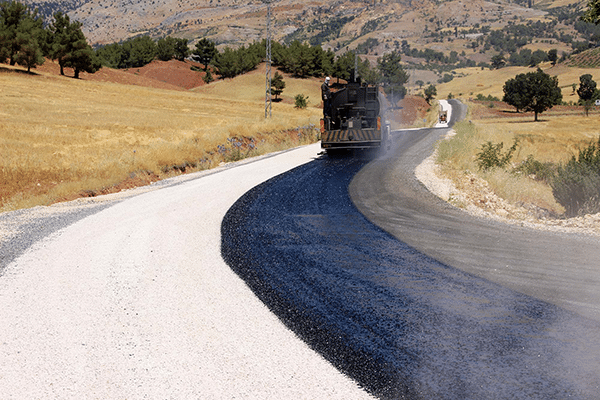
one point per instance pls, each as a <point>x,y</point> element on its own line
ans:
<point>171,75</point>
<point>412,109</point>
<point>178,73</point>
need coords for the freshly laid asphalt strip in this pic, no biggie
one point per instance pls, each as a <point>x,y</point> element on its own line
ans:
<point>399,322</point>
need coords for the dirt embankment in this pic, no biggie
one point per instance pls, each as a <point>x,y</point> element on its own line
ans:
<point>477,198</point>
<point>171,75</point>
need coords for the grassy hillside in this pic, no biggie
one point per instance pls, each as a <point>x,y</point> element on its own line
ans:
<point>61,137</point>
<point>469,82</point>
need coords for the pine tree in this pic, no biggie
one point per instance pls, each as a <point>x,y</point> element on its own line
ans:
<point>165,48</point>
<point>226,63</point>
<point>587,87</point>
<point>205,50</point>
<point>277,85</point>
<point>430,93</point>
<point>393,75</point>
<point>20,34</point>
<point>69,46</point>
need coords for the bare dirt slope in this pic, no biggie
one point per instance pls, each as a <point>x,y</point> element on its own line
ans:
<point>171,75</point>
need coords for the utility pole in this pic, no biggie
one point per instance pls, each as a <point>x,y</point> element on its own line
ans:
<point>268,64</point>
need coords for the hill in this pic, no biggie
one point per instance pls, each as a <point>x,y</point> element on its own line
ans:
<point>586,59</point>
<point>333,23</point>
<point>434,36</point>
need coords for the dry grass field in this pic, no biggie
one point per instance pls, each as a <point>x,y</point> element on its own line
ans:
<point>61,138</point>
<point>469,82</point>
<point>559,135</point>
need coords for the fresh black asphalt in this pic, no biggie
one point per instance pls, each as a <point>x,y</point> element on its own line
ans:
<point>398,321</point>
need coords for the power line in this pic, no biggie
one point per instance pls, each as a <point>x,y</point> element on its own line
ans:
<point>268,64</point>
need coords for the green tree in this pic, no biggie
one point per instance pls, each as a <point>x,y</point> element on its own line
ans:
<point>430,92</point>
<point>277,85</point>
<point>325,61</point>
<point>300,101</point>
<point>208,78</point>
<point>587,87</point>
<point>587,92</point>
<point>592,14</point>
<point>205,50</point>
<point>514,93</point>
<point>165,48</point>
<point>112,55</point>
<point>537,57</point>
<point>344,65</point>
<point>553,56</point>
<point>393,75</point>
<point>30,54</point>
<point>69,46</point>
<point>247,58</point>
<point>369,75</point>
<point>139,51</point>
<point>498,61</point>
<point>538,92</point>
<point>21,34</point>
<point>301,61</point>
<point>226,63</point>
<point>182,50</point>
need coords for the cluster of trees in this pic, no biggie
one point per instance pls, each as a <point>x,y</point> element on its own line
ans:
<point>302,60</point>
<point>429,55</point>
<point>329,30</point>
<point>141,50</point>
<point>525,57</point>
<point>320,30</point>
<point>232,62</point>
<point>25,41</point>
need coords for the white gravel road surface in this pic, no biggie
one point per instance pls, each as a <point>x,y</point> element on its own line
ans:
<point>135,302</point>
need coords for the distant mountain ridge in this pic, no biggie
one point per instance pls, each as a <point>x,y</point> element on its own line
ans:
<point>457,29</point>
<point>231,22</point>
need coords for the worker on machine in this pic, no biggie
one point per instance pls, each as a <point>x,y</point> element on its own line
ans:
<point>326,97</point>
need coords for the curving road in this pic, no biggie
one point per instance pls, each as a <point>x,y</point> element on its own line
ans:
<point>411,297</point>
<point>129,298</point>
<point>559,268</point>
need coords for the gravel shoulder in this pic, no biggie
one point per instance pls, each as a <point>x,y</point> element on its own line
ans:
<point>479,200</point>
<point>134,301</point>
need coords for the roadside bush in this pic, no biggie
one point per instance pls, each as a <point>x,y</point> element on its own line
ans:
<point>576,185</point>
<point>491,155</point>
<point>539,171</point>
<point>300,101</point>
<point>489,97</point>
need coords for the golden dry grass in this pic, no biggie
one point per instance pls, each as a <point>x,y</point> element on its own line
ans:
<point>556,138</point>
<point>60,136</point>
<point>469,82</point>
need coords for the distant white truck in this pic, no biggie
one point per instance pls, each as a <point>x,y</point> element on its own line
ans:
<point>444,115</point>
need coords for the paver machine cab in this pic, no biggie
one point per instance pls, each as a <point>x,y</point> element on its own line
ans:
<point>355,121</point>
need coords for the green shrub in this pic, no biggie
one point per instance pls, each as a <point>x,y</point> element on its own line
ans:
<point>576,185</point>
<point>300,101</point>
<point>541,171</point>
<point>489,97</point>
<point>491,155</point>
